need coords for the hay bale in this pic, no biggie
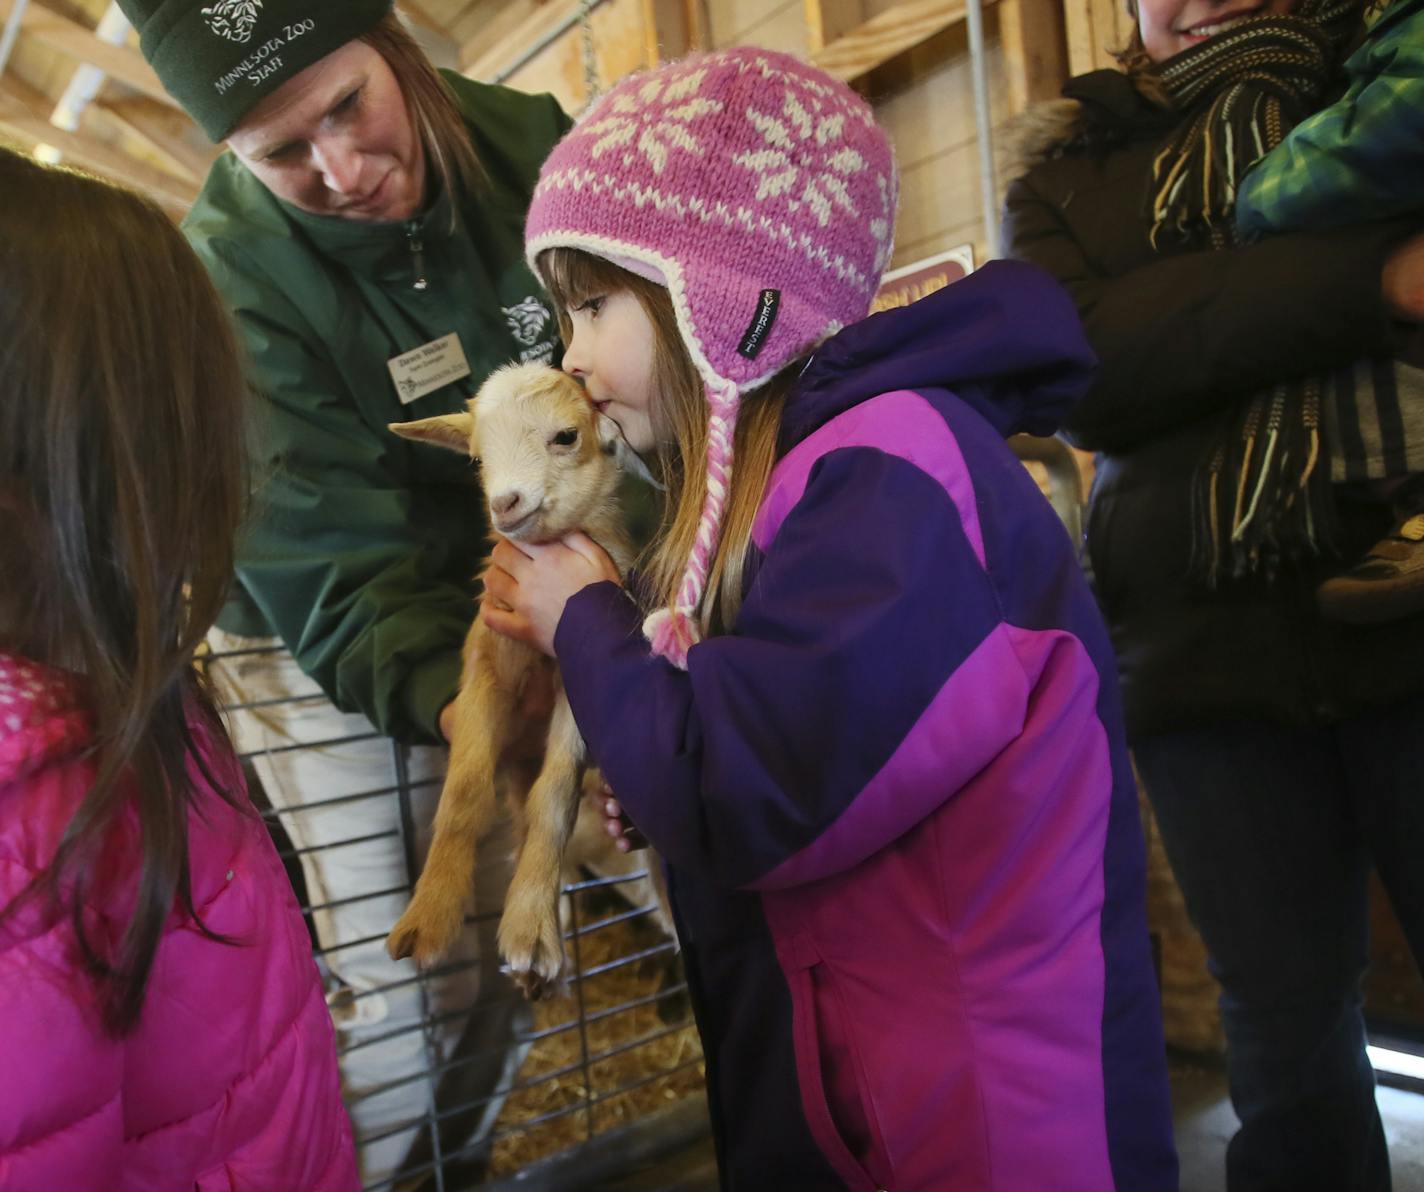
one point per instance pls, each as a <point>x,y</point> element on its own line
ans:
<point>658,1063</point>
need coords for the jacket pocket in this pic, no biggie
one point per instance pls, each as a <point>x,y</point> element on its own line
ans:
<point>826,1069</point>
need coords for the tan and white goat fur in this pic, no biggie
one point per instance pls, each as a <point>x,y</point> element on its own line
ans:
<point>550,464</point>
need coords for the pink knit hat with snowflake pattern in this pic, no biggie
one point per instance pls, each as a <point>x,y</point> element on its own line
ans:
<point>762,193</point>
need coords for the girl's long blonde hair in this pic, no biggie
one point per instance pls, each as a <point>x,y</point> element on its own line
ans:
<point>679,418</point>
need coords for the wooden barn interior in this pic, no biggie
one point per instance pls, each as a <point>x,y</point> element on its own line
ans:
<point>948,79</point>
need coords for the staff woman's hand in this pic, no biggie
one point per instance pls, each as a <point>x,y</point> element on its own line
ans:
<point>527,585</point>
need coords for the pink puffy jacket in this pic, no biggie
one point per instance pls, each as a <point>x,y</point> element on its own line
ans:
<point>230,1080</point>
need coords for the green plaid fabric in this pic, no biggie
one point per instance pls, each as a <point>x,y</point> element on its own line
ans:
<point>1359,159</point>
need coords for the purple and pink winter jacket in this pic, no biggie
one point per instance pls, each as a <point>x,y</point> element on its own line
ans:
<point>229,1081</point>
<point>895,802</point>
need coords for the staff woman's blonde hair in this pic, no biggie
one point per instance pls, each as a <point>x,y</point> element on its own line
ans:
<point>432,108</point>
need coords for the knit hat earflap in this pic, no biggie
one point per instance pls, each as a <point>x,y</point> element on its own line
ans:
<point>762,193</point>
<point>220,58</point>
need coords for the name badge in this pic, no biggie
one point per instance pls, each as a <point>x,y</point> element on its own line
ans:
<point>424,369</point>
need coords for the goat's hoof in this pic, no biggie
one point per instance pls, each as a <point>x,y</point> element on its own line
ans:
<point>533,950</point>
<point>424,935</point>
<point>533,986</point>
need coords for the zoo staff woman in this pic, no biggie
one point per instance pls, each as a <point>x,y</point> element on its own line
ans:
<point>366,231</point>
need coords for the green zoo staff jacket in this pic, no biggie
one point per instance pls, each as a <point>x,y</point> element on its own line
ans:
<point>361,548</point>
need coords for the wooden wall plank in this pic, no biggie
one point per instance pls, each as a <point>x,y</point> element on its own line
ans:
<point>778,25</point>
<point>781,28</point>
<point>558,70</point>
<point>1035,49</point>
<point>519,26</point>
<point>620,40</point>
<point>829,20</point>
<point>422,16</point>
<point>1103,26</point>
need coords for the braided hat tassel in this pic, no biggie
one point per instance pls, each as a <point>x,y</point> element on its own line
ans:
<point>672,632</point>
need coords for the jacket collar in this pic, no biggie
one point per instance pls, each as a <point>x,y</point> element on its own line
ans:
<point>41,714</point>
<point>382,250</point>
<point>1098,111</point>
<point>1005,340</point>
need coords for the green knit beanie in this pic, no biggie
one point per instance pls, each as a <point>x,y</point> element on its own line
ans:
<point>221,58</point>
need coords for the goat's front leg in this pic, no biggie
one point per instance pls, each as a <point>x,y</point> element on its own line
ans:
<point>436,912</point>
<point>530,934</point>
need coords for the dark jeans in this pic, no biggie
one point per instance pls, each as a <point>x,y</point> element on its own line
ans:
<point>1271,832</point>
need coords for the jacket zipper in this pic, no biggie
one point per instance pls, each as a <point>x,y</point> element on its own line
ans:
<point>417,255</point>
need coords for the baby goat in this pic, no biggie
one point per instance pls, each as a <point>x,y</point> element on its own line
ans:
<point>550,465</point>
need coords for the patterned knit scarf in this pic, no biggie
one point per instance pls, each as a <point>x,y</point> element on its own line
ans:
<point>1260,498</point>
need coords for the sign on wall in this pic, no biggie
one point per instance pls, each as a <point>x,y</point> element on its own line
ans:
<point>910,283</point>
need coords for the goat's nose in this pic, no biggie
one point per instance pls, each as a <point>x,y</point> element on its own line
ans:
<point>507,502</point>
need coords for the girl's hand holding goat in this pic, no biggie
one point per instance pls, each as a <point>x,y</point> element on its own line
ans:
<point>564,568</point>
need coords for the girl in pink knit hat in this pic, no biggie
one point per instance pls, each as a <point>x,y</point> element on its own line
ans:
<point>859,697</point>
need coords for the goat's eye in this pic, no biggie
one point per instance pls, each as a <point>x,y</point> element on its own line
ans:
<point>565,438</point>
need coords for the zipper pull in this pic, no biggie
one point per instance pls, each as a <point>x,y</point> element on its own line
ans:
<point>417,253</point>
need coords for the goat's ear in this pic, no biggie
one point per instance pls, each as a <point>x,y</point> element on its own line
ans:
<point>611,440</point>
<point>446,430</point>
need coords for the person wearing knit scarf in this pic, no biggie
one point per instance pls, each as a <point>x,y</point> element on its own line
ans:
<point>1261,497</point>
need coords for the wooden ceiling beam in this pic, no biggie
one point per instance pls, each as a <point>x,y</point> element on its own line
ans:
<point>895,30</point>
<point>69,37</point>
<point>24,114</point>
<point>162,129</point>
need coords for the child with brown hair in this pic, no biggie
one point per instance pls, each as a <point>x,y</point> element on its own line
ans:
<point>161,1017</point>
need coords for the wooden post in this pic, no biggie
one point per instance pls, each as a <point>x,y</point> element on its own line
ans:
<point>1094,29</point>
<point>672,28</point>
<point>829,20</point>
<point>1035,50</point>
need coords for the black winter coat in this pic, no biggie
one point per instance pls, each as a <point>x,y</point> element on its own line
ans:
<point>1184,336</point>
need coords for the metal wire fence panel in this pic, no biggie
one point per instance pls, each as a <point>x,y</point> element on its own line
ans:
<point>451,1080</point>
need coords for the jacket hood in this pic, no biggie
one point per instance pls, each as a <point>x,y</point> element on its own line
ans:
<point>1099,110</point>
<point>1005,340</point>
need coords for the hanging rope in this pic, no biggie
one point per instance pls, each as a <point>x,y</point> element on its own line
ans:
<point>591,85</point>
